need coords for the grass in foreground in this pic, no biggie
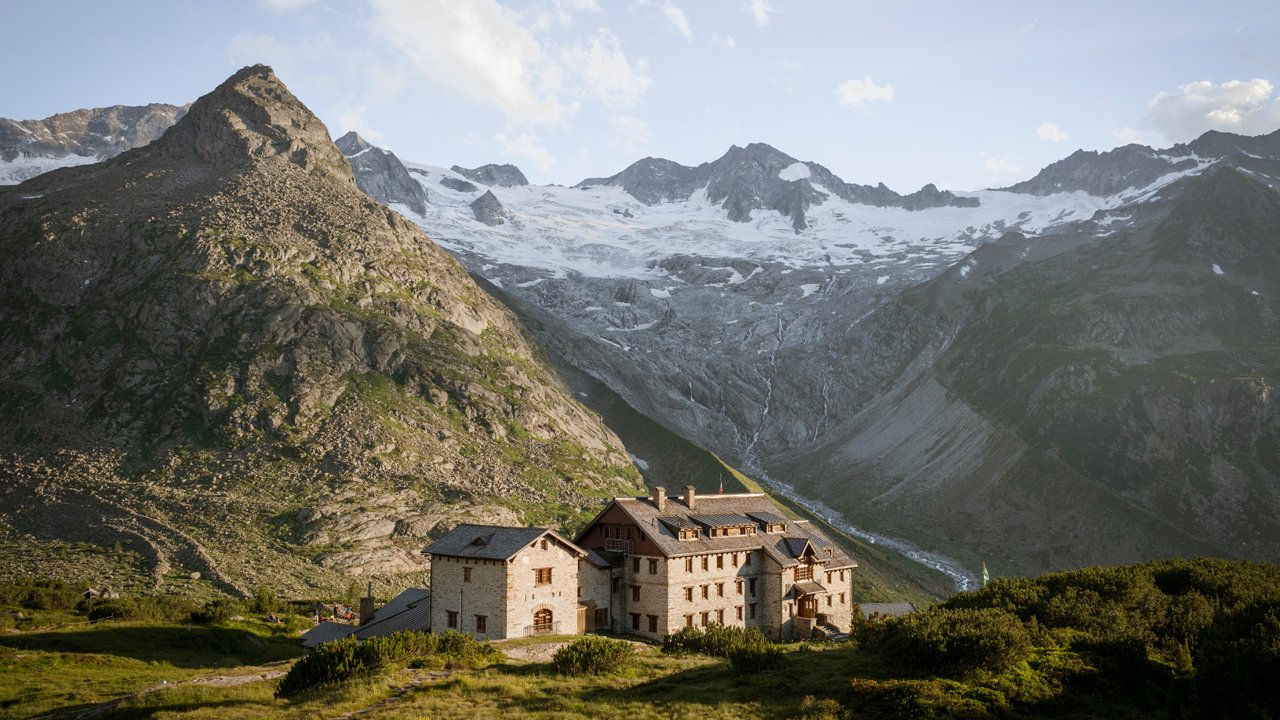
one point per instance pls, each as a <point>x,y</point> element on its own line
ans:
<point>82,665</point>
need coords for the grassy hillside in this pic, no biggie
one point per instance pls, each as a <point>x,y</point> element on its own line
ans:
<point>1168,639</point>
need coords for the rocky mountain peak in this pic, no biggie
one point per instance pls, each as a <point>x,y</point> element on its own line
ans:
<point>488,209</point>
<point>252,117</point>
<point>491,174</point>
<point>381,175</point>
<point>352,143</point>
<point>267,354</point>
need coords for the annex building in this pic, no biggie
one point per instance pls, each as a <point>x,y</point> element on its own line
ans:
<point>647,566</point>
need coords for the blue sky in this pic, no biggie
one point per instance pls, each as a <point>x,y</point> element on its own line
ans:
<point>964,95</point>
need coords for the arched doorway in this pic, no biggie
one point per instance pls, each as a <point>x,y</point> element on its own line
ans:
<point>542,621</point>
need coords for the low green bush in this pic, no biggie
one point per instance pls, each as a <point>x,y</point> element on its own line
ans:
<point>714,640</point>
<point>949,642</point>
<point>151,609</point>
<point>751,658</point>
<point>594,655</point>
<point>217,612</point>
<point>350,659</point>
<point>39,594</point>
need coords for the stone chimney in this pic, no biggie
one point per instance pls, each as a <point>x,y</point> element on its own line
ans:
<point>660,498</point>
<point>690,497</point>
<point>366,606</point>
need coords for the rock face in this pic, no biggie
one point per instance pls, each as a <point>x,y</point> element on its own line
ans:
<point>494,175</point>
<point>454,183</point>
<point>217,350</point>
<point>488,210</point>
<point>759,177</point>
<point>1076,399</point>
<point>381,175</point>
<point>1078,385</point>
<point>1135,166</point>
<point>30,147</point>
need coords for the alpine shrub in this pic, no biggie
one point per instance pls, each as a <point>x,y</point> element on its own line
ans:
<point>349,658</point>
<point>594,655</point>
<point>947,641</point>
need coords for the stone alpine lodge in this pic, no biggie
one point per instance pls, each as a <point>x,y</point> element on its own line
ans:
<point>646,566</point>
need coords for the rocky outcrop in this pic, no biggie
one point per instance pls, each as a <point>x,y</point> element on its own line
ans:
<point>229,333</point>
<point>381,175</point>
<point>760,177</point>
<point>1074,399</point>
<point>454,183</point>
<point>31,147</point>
<point>1132,167</point>
<point>493,175</point>
<point>488,210</point>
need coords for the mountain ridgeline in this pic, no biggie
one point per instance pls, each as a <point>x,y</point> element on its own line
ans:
<point>759,177</point>
<point>1075,398</point>
<point>216,352</point>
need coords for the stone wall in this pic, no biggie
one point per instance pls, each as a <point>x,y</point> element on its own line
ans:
<point>525,595</point>
<point>482,595</point>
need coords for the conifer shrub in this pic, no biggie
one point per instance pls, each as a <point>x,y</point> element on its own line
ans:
<point>594,655</point>
<point>950,642</point>
<point>351,659</point>
<point>753,657</point>
<point>39,594</point>
<point>216,612</point>
<point>714,640</point>
<point>148,609</point>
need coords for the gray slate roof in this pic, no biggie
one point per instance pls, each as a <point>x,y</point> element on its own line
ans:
<point>410,610</point>
<point>777,545</point>
<point>489,542</point>
<point>324,632</point>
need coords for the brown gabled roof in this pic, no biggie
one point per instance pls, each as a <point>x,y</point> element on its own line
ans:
<point>491,542</point>
<point>784,547</point>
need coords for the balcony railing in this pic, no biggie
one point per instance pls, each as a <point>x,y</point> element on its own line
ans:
<point>551,628</point>
<point>617,545</point>
<point>804,572</point>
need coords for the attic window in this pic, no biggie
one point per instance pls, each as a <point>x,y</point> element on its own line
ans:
<point>479,542</point>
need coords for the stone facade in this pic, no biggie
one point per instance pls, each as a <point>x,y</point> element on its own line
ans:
<point>648,566</point>
<point>497,582</point>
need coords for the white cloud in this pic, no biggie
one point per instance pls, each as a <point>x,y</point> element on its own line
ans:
<point>528,147</point>
<point>1233,106</point>
<point>724,41</point>
<point>477,48</point>
<point>1127,135</point>
<point>859,93</point>
<point>676,17</point>
<point>631,134</point>
<point>1051,132</point>
<point>1000,165</point>
<point>603,72</point>
<point>759,11</point>
<point>354,119</point>
<point>284,6</point>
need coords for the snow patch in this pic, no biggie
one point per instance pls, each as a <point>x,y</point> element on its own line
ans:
<point>530,283</point>
<point>808,289</point>
<point>794,171</point>
<point>1217,270</point>
<point>882,279</point>
<point>661,294</point>
<point>639,463</point>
